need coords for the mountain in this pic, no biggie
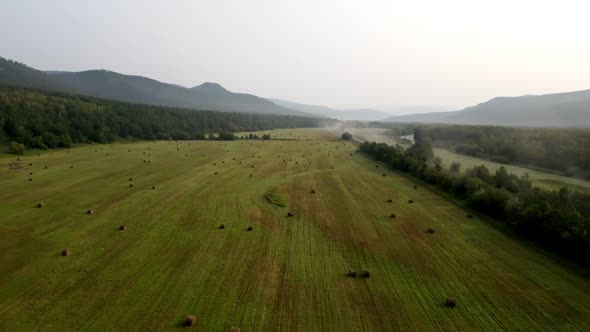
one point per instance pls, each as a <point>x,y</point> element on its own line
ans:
<point>345,114</point>
<point>569,109</point>
<point>137,89</point>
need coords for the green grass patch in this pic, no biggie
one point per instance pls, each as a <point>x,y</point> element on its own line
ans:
<point>276,198</point>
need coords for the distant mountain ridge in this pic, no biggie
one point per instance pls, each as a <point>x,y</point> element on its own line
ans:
<point>567,109</point>
<point>138,89</point>
<point>365,114</point>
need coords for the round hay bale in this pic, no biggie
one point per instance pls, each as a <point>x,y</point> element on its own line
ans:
<point>392,216</point>
<point>153,187</point>
<point>130,185</point>
<point>222,226</point>
<point>189,320</point>
<point>351,273</point>
<point>71,166</point>
<point>313,191</point>
<point>450,302</point>
<point>410,201</point>
<point>45,167</point>
<point>366,274</point>
<point>289,214</point>
<point>30,164</point>
<point>251,175</point>
<point>215,173</point>
<point>40,204</point>
<point>89,211</point>
<point>30,179</point>
<point>122,227</point>
<point>389,200</point>
<point>250,228</point>
<point>66,252</point>
<point>430,230</point>
<point>30,173</point>
<point>130,179</point>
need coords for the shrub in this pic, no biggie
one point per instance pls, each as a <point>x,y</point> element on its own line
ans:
<point>16,148</point>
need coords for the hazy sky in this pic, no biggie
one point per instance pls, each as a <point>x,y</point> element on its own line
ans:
<point>336,53</point>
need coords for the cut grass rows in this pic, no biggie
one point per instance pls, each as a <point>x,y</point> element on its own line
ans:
<point>288,273</point>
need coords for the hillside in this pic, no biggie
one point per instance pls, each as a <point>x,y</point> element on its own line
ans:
<point>137,89</point>
<point>364,114</point>
<point>570,109</point>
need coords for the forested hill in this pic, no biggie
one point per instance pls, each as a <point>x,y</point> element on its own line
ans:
<point>45,120</point>
<point>570,109</point>
<point>138,89</point>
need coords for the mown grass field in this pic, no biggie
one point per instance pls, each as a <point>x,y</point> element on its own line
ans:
<point>288,273</point>
<point>539,177</point>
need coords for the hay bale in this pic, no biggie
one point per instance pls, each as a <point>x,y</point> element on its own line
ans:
<point>289,214</point>
<point>189,320</point>
<point>215,173</point>
<point>251,175</point>
<point>71,166</point>
<point>366,274</point>
<point>30,179</point>
<point>130,185</point>
<point>130,179</point>
<point>410,201</point>
<point>389,200</point>
<point>30,164</point>
<point>222,226</point>
<point>45,167</point>
<point>31,173</point>
<point>89,211</point>
<point>430,230</point>
<point>450,302</point>
<point>351,273</point>
<point>40,204</point>
<point>66,252</point>
<point>313,191</point>
<point>250,228</point>
<point>392,216</point>
<point>122,227</point>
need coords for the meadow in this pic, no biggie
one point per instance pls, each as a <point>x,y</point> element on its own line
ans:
<point>288,273</point>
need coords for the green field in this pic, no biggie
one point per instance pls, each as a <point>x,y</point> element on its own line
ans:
<point>538,177</point>
<point>288,273</point>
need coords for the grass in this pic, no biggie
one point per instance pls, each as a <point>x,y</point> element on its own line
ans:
<point>276,198</point>
<point>288,274</point>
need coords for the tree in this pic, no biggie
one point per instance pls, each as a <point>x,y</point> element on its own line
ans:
<point>16,148</point>
<point>347,136</point>
<point>455,167</point>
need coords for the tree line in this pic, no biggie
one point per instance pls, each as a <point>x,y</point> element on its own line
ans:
<point>37,119</point>
<point>566,151</point>
<point>557,220</point>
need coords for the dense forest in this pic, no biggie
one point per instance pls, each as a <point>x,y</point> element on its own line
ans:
<point>564,151</point>
<point>558,220</point>
<point>43,120</point>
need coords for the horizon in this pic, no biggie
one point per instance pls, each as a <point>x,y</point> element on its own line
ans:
<point>343,55</point>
